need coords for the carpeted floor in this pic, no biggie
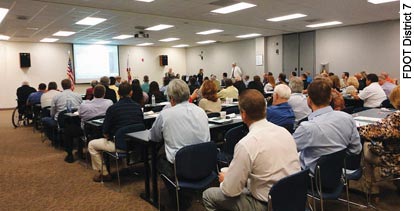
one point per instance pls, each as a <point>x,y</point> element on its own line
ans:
<point>33,176</point>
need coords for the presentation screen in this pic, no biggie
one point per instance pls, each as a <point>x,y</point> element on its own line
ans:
<point>91,62</point>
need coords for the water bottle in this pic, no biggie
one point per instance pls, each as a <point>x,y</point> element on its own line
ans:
<point>69,106</point>
<point>153,100</point>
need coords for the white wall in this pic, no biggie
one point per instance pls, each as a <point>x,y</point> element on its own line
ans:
<point>372,47</point>
<point>273,60</point>
<point>49,62</point>
<point>219,57</point>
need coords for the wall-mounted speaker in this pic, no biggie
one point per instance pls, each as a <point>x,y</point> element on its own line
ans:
<point>25,60</point>
<point>163,60</point>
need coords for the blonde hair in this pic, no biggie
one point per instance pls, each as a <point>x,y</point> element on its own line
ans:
<point>353,81</point>
<point>395,97</point>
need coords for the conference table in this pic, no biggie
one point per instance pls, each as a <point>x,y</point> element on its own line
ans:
<point>142,138</point>
<point>371,116</point>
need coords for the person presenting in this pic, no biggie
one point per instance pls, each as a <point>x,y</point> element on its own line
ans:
<point>235,71</point>
<point>263,157</point>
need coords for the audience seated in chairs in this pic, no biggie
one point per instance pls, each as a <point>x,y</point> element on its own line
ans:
<point>34,97</point>
<point>59,104</point>
<point>87,110</point>
<point>382,147</point>
<point>23,93</point>
<point>281,113</point>
<point>229,92</point>
<point>209,102</point>
<point>327,131</point>
<point>124,112</point>
<point>180,125</point>
<point>254,159</point>
<point>372,95</point>
<point>47,97</point>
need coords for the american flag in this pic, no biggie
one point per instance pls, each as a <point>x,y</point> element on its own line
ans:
<point>70,73</point>
<point>128,69</point>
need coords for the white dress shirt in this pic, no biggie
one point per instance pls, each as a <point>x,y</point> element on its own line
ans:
<point>300,106</point>
<point>47,97</point>
<point>372,95</point>
<point>264,156</point>
<point>235,72</point>
<point>181,125</point>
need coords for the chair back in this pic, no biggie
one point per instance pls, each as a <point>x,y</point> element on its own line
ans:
<point>61,119</point>
<point>386,104</point>
<point>233,136</point>
<point>289,193</point>
<point>233,110</point>
<point>195,162</point>
<point>330,169</point>
<point>288,127</point>
<point>46,111</point>
<point>353,161</point>
<point>119,136</point>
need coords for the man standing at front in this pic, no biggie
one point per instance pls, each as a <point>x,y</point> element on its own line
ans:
<point>327,131</point>
<point>123,113</point>
<point>235,71</point>
<point>264,156</point>
<point>181,125</point>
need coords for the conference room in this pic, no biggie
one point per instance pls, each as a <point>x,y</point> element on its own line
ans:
<point>218,49</point>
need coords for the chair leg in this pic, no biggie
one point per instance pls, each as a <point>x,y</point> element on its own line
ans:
<point>176,194</point>
<point>117,172</point>
<point>313,194</point>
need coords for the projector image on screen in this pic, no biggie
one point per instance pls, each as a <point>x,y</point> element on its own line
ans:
<point>91,62</point>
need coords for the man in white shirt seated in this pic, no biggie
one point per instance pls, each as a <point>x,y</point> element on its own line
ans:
<point>47,97</point>
<point>263,157</point>
<point>372,95</point>
<point>181,125</point>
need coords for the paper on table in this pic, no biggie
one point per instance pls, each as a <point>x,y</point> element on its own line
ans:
<point>367,119</point>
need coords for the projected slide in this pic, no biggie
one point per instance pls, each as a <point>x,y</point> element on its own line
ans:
<point>94,61</point>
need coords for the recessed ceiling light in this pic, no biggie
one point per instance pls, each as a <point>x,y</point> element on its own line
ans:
<point>146,44</point>
<point>145,0</point>
<point>380,1</point>
<point>122,37</point>
<point>169,39</point>
<point>159,27</point>
<point>90,21</point>
<point>286,17</point>
<point>212,31</point>
<point>233,8</point>
<point>32,28</point>
<point>248,35</point>
<point>206,42</point>
<point>102,42</point>
<point>4,37</point>
<point>3,13</point>
<point>324,24</point>
<point>180,46</point>
<point>63,33</point>
<point>49,40</point>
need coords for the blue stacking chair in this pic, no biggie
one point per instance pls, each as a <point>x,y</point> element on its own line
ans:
<point>195,168</point>
<point>289,193</point>
<point>121,149</point>
<point>231,138</point>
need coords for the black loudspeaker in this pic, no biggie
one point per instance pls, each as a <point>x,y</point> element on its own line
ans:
<point>25,60</point>
<point>163,60</point>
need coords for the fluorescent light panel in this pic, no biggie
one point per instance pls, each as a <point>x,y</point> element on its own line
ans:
<point>63,33</point>
<point>90,21</point>
<point>4,37</point>
<point>233,8</point>
<point>248,35</point>
<point>159,27</point>
<point>212,31</point>
<point>102,42</point>
<point>3,13</point>
<point>286,17</point>
<point>324,24</point>
<point>180,46</point>
<point>145,44</point>
<point>49,40</point>
<point>145,0</point>
<point>169,39</point>
<point>122,37</point>
<point>380,1</point>
<point>206,42</point>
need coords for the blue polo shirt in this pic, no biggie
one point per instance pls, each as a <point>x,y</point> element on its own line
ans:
<point>281,114</point>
